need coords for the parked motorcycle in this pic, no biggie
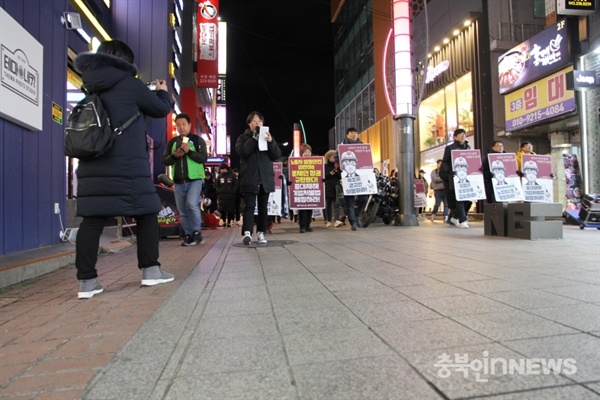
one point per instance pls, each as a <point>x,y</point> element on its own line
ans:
<point>385,204</point>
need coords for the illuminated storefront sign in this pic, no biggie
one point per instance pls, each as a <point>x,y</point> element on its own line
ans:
<point>538,56</point>
<point>581,80</point>
<point>575,7</point>
<point>542,100</point>
<point>432,72</point>
<point>208,67</point>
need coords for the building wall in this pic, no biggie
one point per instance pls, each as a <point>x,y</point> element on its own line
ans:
<point>33,163</point>
<point>144,26</point>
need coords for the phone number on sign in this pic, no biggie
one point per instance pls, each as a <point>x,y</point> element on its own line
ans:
<point>535,116</point>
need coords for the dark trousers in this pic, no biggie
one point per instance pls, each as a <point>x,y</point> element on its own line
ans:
<point>238,202</point>
<point>358,203</point>
<point>227,216</point>
<point>460,211</point>
<point>329,204</point>
<point>305,218</point>
<point>250,200</point>
<point>88,241</point>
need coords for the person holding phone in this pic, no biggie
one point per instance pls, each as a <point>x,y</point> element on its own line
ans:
<point>187,154</point>
<point>119,182</point>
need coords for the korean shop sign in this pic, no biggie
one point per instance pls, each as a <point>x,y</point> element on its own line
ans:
<point>540,55</point>
<point>539,101</point>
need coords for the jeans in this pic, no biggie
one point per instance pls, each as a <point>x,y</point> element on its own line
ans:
<point>250,200</point>
<point>88,241</point>
<point>360,202</point>
<point>187,199</point>
<point>440,197</point>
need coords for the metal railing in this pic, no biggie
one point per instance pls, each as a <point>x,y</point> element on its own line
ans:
<point>517,32</point>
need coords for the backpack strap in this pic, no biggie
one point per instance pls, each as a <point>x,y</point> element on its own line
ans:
<point>126,125</point>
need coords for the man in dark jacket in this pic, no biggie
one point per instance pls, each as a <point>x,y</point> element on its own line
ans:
<point>227,186</point>
<point>355,205</point>
<point>257,178</point>
<point>187,154</point>
<point>497,147</point>
<point>119,182</point>
<point>458,209</point>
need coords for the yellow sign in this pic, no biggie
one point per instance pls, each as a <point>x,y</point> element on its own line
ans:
<point>57,113</point>
<point>73,78</point>
<point>544,99</point>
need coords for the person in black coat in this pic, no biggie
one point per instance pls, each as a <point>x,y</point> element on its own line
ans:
<point>458,209</point>
<point>227,185</point>
<point>119,183</point>
<point>333,174</point>
<point>497,147</point>
<point>257,178</point>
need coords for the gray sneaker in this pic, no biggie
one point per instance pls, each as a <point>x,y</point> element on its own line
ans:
<point>88,288</point>
<point>155,276</point>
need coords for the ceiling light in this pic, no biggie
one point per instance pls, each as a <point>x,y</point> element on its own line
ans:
<point>467,22</point>
<point>456,32</point>
<point>446,40</point>
<point>436,48</point>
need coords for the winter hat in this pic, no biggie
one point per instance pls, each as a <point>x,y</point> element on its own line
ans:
<point>224,166</point>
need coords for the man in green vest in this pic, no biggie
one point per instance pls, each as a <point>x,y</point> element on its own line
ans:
<point>186,154</point>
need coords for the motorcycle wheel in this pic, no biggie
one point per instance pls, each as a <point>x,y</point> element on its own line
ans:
<point>370,214</point>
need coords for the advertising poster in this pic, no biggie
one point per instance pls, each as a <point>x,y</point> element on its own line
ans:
<point>505,181</point>
<point>420,195</point>
<point>537,180</point>
<point>307,189</point>
<point>468,178</point>
<point>275,199</point>
<point>356,164</point>
<point>574,183</point>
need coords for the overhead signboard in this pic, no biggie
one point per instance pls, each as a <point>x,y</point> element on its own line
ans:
<point>207,73</point>
<point>542,100</point>
<point>538,56</point>
<point>575,7</point>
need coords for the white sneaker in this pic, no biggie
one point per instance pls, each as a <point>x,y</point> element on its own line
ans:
<point>432,217</point>
<point>328,225</point>
<point>261,238</point>
<point>463,225</point>
<point>454,221</point>
<point>247,238</point>
<point>338,223</point>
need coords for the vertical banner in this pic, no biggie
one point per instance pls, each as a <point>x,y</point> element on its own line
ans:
<point>468,178</point>
<point>537,182</point>
<point>420,195</point>
<point>356,163</point>
<point>574,183</point>
<point>307,190</point>
<point>505,181</point>
<point>275,198</point>
<point>207,73</point>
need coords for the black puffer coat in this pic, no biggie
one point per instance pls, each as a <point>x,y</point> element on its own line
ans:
<point>119,182</point>
<point>256,167</point>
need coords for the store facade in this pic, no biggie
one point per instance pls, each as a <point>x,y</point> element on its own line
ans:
<point>453,95</point>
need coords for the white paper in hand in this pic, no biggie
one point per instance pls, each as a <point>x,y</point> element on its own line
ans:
<point>262,138</point>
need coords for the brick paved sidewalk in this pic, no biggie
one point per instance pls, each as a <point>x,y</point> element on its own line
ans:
<point>52,345</point>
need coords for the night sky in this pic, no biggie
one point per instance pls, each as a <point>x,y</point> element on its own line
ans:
<point>280,63</point>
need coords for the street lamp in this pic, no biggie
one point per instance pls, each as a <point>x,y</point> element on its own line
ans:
<point>404,110</point>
